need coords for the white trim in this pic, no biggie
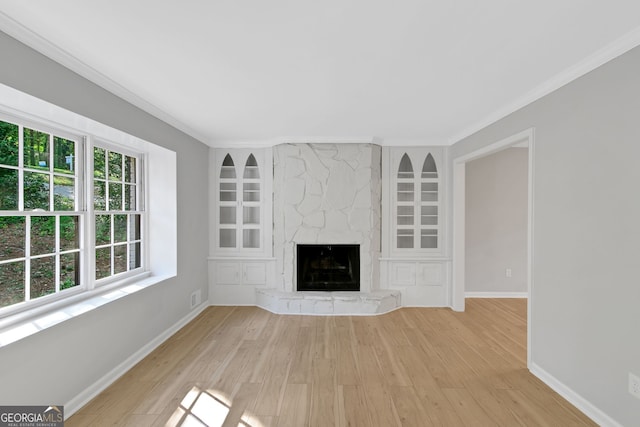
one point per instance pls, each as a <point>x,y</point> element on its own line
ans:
<point>383,142</point>
<point>99,386</point>
<point>589,409</point>
<point>590,63</point>
<point>496,295</point>
<point>459,213</point>
<point>458,236</point>
<point>61,56</point>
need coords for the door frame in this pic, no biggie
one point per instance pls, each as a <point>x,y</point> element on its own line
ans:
<point>459,216</point>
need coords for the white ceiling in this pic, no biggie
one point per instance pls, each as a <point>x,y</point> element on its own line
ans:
<point>257,71</point>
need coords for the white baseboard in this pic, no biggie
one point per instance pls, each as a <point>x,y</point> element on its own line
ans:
<point>574,398</point>
<point>96,388</point>
<point>496,295</point>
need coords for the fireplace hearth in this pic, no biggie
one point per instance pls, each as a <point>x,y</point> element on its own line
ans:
<point>328,267</point>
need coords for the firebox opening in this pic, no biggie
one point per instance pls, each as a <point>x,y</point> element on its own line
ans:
<point>328,267</point>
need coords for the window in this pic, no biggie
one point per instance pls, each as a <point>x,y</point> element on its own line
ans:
<point>45,219</point>
<point>117,215</point>
<point>417,204</point>
<point>239,200</point>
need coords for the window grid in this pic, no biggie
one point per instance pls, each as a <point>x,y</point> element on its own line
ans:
<point>118,217</point>
<point>417,205</point>
<point>239,203</point>
<point>251,204</point>
<point>429,204</point>
<point>39,201</point>
<point>44,219</point>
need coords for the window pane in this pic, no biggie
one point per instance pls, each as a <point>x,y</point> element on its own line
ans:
<point>251,238</point>
<point>8,189</point>
<point>129,169</point>
<point>134,256</point>
<point>69,235</point>
<point>69,270</point>
<point>134,227</point>
<point>227,214</point>
<point>12,229</point>
<point>227,238</point>
<point>405,242</point>
<point>429,215</point>
<point>130,197</point>
<point>228,169</point>
<point>119,259</point>
<point>115,166</point>
<point>429,169</point>
<point>429,191</point>
<point>11,283</point>
<point>227,192</point>
<point>36,191</point>
<point>251,215</point>
<point>64,153</point>
<point>36,149</point>
<point>115,196</point>
<point>99,195</point>
<point>251,192</point>
<point>43,235</point>
<point>64,189</point>
<point>103,229</point>
<point>119,228</point>
<point>405,215</point>
<point>103,262</point>
<point>251,168</point>
<point>405,239</point>
<point>405,170</point>
<point>99,162</point>
<point>9,140</point>
<point>405,191</point>
<point>43,273</point>
<point>429,239</point>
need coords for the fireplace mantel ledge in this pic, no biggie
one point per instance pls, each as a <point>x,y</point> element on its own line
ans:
<point>328,303</point>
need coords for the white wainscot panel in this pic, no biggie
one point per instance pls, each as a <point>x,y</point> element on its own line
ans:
<point>254,273</point>
<point>430,274</point>
<point>403,274</point>
<point>234,282</point>
<point>227,273</point>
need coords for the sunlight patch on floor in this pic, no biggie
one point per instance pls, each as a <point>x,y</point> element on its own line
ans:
<point>207,408</point>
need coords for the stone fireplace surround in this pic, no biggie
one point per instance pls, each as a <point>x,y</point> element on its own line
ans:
<point>327,194</point>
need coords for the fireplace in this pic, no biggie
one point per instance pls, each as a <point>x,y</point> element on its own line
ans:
<point>328,267</point>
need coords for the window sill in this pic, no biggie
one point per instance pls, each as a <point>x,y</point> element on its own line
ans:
<point>27,323</point>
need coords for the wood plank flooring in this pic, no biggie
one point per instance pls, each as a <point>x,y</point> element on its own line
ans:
<point>243,366</point>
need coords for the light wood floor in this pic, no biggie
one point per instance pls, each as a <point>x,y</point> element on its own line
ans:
<point>414,367</point>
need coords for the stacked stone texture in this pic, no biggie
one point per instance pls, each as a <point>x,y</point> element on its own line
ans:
<point>327,194</point>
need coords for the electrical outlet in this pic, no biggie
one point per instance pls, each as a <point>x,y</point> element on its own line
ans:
<point>196,298</point>
<point>507,272</point>
<point>634,385</point>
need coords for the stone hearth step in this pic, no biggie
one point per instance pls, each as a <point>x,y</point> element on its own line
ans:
<point>328,303</point>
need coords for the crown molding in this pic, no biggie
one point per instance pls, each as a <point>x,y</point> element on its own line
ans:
<point>384,142</point>
<point>67,60</point>
<point>590,63</point>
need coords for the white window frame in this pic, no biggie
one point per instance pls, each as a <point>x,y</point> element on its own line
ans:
<point>84,209</point>
<point>417,158</point>
<point>159,262</point>
<point>140,210</point>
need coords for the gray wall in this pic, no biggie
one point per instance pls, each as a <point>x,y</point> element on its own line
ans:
<point>496,222</point>
<point>53,366</point>
<point>586,271</point>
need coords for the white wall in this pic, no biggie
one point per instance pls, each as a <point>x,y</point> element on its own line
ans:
<point>55,365</point>
<point>586,270</point>
<point>496,222</point>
